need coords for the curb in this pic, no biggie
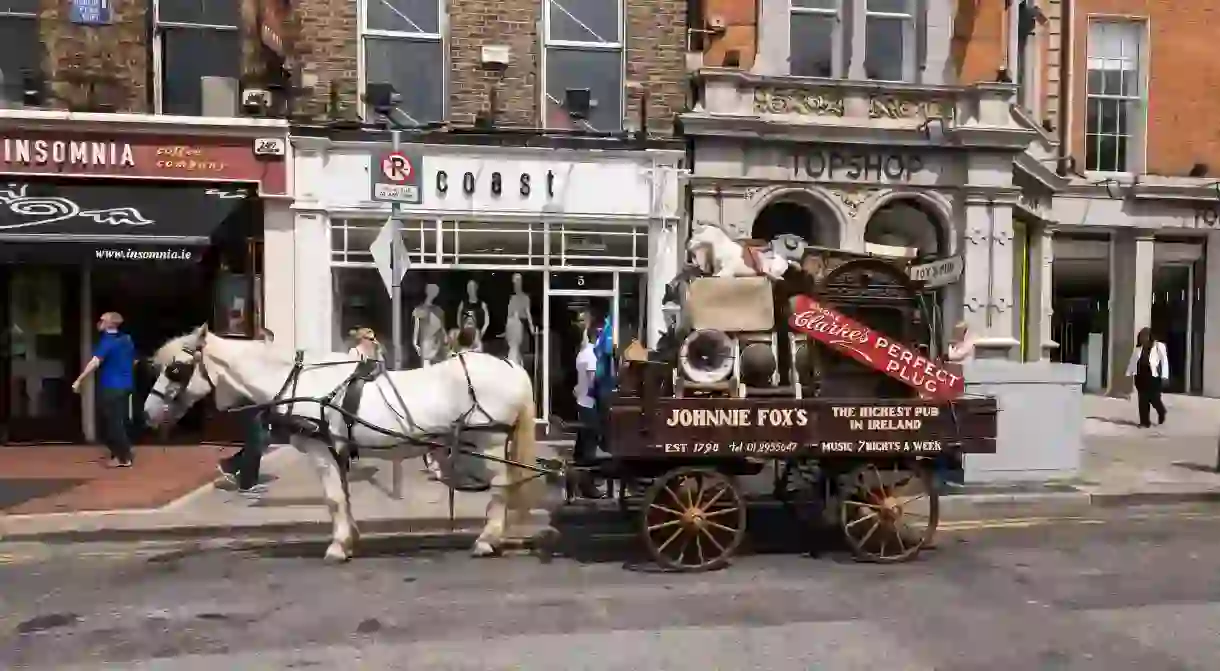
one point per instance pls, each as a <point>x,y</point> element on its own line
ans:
<point>954,508</point>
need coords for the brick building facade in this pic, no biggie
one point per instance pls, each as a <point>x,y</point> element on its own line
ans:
<point>650,42</point>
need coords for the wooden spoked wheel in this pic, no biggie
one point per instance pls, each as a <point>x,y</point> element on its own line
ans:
<point>888,514</point>
<point>693,519</point>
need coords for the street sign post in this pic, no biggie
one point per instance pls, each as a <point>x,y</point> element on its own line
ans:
<point>938,273</point>
<point>390,256</point>
<point>395,177</point>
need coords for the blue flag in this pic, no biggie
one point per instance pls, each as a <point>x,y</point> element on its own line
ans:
<point>603,380</point>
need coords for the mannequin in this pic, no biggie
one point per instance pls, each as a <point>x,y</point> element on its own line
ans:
<point>473,312</point>
<point>518,311</point>
<point>428,329</point>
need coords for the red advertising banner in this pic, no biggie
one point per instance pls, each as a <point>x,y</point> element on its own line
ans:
<point>875,350</point>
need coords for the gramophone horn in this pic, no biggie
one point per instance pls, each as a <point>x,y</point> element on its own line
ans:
<point>706,357</point>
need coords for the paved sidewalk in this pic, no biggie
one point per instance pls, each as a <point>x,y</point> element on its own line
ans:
<point>73,478</point>
<point>1122,465</point>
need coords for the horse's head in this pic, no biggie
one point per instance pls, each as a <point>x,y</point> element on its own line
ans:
<point>184,379</point>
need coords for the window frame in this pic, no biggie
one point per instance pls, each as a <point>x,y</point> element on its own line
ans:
<point>838,69</point>
<point>440,37</point>
<point>910,38</point>
<point>545,99</point>
<point>15,84</point>
<point>158,48</point>
<point>1137,149</point>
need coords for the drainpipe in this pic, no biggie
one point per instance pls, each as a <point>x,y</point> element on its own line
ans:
<point>1066,60</point>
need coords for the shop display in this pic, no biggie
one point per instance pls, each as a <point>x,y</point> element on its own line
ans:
<point>472,311</point>
<point>428,328</point>
<point>519,321</point>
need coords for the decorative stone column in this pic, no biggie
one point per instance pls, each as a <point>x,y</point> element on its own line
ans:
<point>663,265</point>
<point>1131,269</point>
<point>1041,291</point>
<point>1211,312</point>
<point>988,305</point>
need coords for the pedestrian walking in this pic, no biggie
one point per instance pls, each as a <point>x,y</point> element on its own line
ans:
<point>114,359</point>
<point>1149,368</point>
<point>241,470</point>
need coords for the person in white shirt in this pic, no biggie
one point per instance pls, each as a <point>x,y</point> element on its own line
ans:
<point>589,434</point>
<point>961,347</point>
<point>1149,368</point>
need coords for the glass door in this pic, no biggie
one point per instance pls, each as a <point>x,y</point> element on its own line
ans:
<point>41,354</point>
<point>568,297</point>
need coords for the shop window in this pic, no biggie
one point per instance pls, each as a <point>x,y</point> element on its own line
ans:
<point>470,243</point>
<point>404,45</point>
<point>574,245</point>
<point>351,240</point>
<point>584,67</point>
<point>1114,120</point>
<point>20,47</point>
<point>195,39</point>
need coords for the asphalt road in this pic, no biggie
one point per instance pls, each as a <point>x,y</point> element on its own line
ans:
<point>1109,595</point>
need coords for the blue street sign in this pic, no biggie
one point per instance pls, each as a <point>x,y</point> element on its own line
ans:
<point>92,12</point>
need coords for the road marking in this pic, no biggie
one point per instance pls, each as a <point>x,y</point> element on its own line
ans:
<point>948,527</point>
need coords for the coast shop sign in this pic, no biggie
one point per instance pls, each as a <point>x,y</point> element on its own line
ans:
<point>875,350</point>
<point>864,166</point>
<point>134,155</point>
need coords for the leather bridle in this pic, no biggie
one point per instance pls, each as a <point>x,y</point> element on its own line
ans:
<point>180,374</point>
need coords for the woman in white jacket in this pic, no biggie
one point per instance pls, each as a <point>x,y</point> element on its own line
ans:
<point>1149,367</point>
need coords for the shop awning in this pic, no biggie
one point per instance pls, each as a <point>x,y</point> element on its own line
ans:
<point>71,222</point>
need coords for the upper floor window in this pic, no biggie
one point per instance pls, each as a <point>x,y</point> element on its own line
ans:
<point>404,45</point>
<point>827,36</point>
<point>584,69</point>
<point>195,39</point>
<point>889,40</point>
<point>1114,96</point>
<point>20,47</point>
<point>816,36</point>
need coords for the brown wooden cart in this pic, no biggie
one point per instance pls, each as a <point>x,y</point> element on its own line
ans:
<point>851,421</point>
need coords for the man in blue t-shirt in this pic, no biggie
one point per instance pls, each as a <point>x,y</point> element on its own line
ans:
<point>114,359</point>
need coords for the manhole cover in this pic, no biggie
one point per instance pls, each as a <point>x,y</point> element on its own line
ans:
<point>16,491</point>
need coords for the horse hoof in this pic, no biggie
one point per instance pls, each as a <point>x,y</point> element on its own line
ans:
<point>335,554</point>
<point>484,549</point>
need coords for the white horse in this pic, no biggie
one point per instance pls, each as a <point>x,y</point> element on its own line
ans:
<point>417,403</point>
<point>730,258</point>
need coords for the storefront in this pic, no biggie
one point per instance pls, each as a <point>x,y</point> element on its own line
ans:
<point>1129,256</point>
<point>919,172</point>
<point>161,219</point>
<point>515,239</point>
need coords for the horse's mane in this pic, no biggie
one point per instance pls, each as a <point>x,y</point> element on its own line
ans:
<point>174,346</point>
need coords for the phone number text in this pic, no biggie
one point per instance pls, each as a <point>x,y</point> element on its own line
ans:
<point>734,447</point>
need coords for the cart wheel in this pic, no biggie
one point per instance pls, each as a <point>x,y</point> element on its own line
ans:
<point>693,519</point>
<point>888,515</point>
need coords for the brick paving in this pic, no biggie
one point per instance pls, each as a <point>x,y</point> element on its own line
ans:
<point>74,478</point>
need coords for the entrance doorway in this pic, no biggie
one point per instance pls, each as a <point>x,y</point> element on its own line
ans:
<point>40,354</point>
<point>565,341</point>
<point>157,303</point>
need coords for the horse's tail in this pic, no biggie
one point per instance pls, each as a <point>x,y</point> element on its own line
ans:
<point>525,490</point>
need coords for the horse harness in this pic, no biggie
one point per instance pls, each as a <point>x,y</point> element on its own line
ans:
<point>348,395</point>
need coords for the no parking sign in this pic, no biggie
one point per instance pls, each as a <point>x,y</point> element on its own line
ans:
<point>395,177</point>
